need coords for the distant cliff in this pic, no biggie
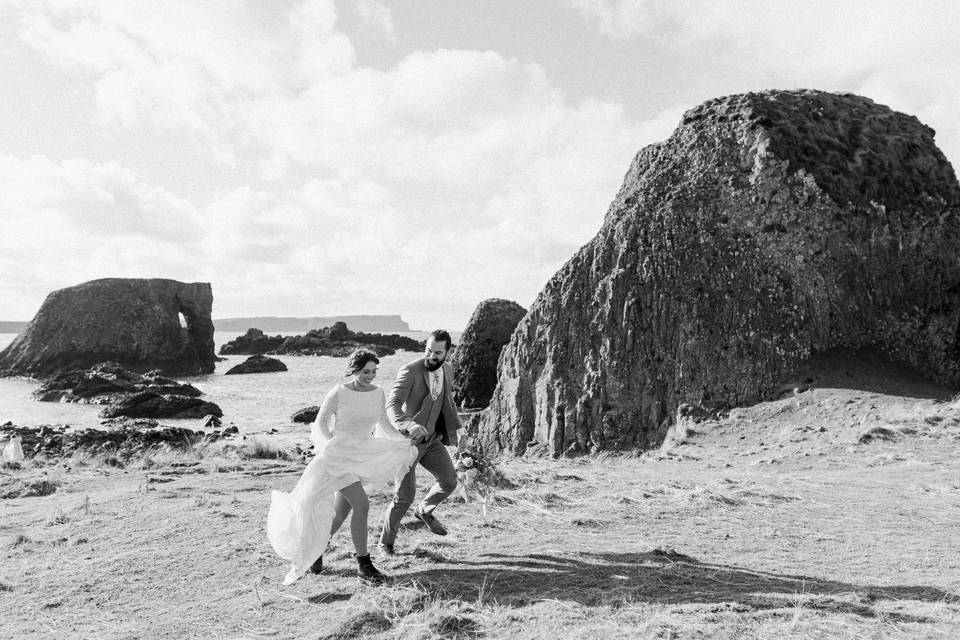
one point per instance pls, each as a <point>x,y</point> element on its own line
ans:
<point>12,327</point>
<point>369,324</point>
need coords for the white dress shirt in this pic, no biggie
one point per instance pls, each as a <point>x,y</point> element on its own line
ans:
<point>436,383</point>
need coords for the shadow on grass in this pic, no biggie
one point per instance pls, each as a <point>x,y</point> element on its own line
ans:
<point>662,577</point>
<point>325,597</point>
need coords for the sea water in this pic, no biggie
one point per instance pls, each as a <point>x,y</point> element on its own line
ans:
<point>255,403</point>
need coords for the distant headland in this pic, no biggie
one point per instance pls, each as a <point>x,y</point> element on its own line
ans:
<point>367,324</point>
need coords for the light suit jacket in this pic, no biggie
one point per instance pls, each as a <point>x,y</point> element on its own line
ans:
<point>410,399</point>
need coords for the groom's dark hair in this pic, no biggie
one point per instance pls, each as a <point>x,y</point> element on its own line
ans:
<point>440,334</point>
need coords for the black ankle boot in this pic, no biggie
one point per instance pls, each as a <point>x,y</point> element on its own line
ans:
<point>317,565</point>
<point>367,572</point>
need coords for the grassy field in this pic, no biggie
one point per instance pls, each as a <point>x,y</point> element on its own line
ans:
<point>834,513</point>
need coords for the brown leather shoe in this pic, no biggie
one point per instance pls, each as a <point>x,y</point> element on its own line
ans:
<point>431,521</point>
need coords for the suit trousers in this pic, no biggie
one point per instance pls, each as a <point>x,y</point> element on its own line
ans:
<point>434,458</point>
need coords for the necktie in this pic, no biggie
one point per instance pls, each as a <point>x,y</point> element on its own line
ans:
<point>435,384</point>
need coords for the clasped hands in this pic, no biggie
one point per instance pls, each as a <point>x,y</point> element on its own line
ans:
<point>416,432</point>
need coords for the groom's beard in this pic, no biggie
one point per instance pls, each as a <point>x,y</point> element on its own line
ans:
<point>432,364</point>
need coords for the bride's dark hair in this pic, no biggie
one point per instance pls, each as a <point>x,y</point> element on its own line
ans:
<point>359,359</point>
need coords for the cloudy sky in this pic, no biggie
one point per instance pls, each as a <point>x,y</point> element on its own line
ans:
<point>324,157</point>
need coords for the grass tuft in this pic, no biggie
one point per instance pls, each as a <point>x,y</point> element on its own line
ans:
<point>261,449</point>
<point>39,488</point>
<point>19,540</point>
<point>360,625</point>
<point>454,625</point>
<point>60,518</point>
<point>113,461</point>
<point>878,433</point>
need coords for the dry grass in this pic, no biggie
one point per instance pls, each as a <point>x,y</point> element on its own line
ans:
<point>259,448</point>
<point>758,526</point>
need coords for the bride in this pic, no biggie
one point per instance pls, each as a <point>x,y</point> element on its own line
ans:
<point>349,460</point>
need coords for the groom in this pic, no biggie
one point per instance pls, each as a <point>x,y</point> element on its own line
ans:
<point>421,406</point>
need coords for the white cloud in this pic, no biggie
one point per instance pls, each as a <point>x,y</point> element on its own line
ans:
<point>378,16</point>
<point>79,197</point>
<point>68,222</point>
<point>626,18</point>
<point>420,188</point>
<point>902,54</point>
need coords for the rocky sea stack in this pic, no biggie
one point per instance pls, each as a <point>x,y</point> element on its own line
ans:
<point>768,228</point>
<point>133,322</point>
<point>475,358</point>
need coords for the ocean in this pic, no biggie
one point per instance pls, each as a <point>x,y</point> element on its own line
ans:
<point>255,403</point>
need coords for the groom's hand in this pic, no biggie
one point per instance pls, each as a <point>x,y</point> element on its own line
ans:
<point>417,433</point>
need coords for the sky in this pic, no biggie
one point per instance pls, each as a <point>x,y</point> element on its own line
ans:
<point>415,157</point>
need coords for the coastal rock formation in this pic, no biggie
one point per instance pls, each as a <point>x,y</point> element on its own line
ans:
<point>253,342</point>
<point>294,325</point>
<point>306,415</point>
<point>257,364</point>
<point>128,394</point>
<point>134,322</point>
<point>336,340</point>
<point>768,228</point>
<point>104,384</point>
<point>148,404</point>
<point>475,358</point>
<point>212,422</point>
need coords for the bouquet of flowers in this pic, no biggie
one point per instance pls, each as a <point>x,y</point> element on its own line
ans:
<point>477,475</point>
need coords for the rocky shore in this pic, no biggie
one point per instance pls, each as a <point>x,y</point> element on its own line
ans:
<point>122,438</point>
<point>127,394</point>
<point>337,341</point>
<point>100,384</point>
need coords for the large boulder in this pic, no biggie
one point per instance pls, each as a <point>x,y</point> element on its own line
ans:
<point>257,364</point>
<point>133,322</point>
<point>769,227</point>
<point>306,415</point>
<point>148,404</point>
<point>475,358</point>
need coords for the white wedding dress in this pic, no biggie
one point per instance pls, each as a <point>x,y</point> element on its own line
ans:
<point>298,524</point>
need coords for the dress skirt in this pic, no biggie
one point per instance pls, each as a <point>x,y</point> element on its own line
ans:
<point>298,523</point>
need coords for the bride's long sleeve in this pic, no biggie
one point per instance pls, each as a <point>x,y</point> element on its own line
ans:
<point>320,431</point>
